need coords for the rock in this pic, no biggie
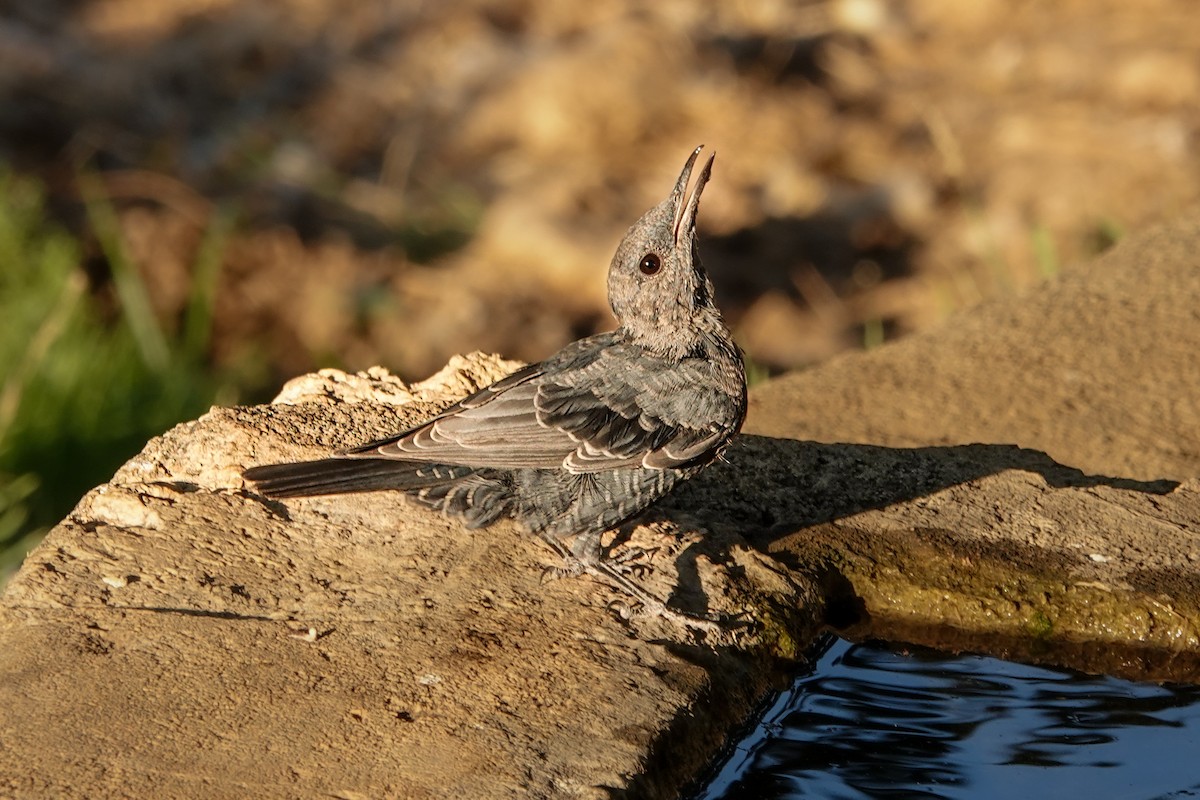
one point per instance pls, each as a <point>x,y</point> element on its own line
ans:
<point>189,637</point>
<point>1023,480</point>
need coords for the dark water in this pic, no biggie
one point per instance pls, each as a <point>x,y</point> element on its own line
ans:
<point>877,720</point>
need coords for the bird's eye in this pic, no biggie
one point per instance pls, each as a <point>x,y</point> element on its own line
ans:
<point>650,264</point>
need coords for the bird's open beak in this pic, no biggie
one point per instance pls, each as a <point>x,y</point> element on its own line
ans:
<point>685,209</point>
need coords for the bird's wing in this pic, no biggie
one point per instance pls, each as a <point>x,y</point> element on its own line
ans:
<point>582,414</point>
<point>494,427</point>
<point>627,409</point>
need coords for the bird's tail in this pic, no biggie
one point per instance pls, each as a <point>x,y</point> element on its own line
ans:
<point>343,475</point>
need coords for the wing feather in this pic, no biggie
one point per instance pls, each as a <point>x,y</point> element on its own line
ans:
<point>592,408</point>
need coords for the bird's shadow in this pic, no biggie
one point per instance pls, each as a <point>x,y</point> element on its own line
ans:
<point>768,488</point>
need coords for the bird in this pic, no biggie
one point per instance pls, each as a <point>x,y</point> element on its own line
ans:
<point>578,444</point>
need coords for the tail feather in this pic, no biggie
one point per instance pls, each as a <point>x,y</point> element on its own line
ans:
<point>345,475</point>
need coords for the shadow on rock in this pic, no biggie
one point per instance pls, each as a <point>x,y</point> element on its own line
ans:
<point>769,490</point>
<point>769,487</point>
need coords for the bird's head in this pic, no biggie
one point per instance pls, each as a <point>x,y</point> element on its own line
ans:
<point>657,287</point>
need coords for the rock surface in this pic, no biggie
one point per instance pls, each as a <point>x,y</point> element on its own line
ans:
<point>935,518</point>
<point>189,638</point>
<point>177,635</point>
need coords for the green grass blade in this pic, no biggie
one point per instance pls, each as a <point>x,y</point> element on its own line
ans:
<point>131,290</point>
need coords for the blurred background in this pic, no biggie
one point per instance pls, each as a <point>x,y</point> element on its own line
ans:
<point>202,198</point>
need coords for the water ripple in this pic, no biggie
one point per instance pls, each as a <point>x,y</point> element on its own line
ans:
<point>879,721</point>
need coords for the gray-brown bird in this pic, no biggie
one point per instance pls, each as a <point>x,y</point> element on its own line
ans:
<point>579,443</point>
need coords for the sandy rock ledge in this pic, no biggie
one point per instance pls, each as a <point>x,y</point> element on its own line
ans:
<point>187,637</point>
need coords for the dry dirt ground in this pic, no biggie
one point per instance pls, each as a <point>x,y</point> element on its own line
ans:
<point>417,179</point>
<point>178,636</point>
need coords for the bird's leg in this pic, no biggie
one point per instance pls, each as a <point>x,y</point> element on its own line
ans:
<point>586,554</point>
<point>635,561</point>
<point>571,564</point>
<point>586,550</point>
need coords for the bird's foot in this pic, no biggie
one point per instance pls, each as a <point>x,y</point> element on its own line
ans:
<point>614,570</point>
<point>626,610</point>
<point>570,568</point>
<point>639,602</point>
<point>631,560</point>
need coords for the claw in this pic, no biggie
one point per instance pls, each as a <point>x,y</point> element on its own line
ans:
<point>570,568</point>
<point>649,604</point>
<point>636,570</point>
<point>586,555</point>
<point>630,556</point>
<point>622,610</point>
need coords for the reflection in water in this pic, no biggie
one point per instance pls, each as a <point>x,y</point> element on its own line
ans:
<point>880,721</point>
